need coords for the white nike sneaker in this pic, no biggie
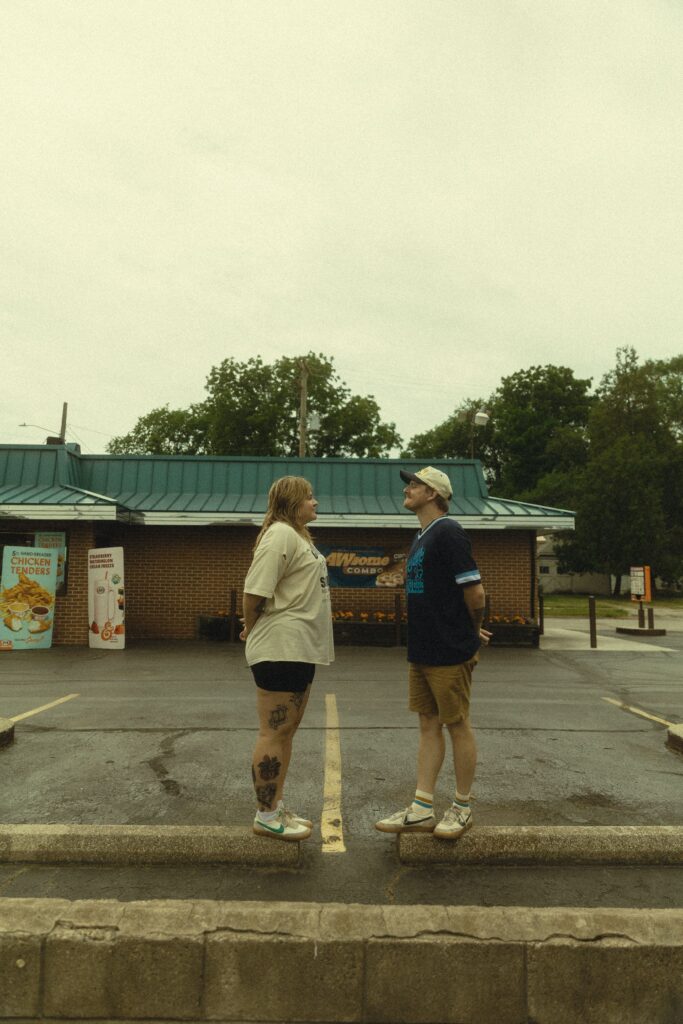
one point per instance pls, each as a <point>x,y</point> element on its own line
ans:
<point>280,827</point>
<point>293,816</point>
<point>407,821</point>
<point>454,823</point>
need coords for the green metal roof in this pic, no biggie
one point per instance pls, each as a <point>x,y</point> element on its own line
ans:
<point>191,490</point>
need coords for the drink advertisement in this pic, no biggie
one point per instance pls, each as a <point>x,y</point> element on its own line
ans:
<point>58,542</point>
<point>364,567</point>
<point>27,598</point>
<point>106,599</point>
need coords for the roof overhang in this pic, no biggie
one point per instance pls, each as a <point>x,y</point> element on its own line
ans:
<point>84,513</point>
<point>356,521</point>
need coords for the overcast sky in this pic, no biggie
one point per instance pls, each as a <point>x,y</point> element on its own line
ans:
<point>436,193</point>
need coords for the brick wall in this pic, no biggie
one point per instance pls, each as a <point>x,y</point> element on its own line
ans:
<point>173,574</point>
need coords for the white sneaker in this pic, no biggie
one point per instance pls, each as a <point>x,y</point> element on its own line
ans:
<point>407,821</point>
<point>293,816</point>
<point>454,823</point>
<point>280,827</point>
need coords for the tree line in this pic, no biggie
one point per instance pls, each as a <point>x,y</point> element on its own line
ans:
<point>614,454</point>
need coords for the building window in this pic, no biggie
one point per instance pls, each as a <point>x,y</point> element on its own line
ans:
<point>544,569</point>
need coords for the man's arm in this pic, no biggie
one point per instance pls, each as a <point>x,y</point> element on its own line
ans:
<point>475,601</point>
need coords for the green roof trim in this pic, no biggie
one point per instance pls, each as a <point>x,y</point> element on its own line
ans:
<point>197,489</point>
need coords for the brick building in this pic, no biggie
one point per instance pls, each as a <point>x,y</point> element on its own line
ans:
<point>187,525</point>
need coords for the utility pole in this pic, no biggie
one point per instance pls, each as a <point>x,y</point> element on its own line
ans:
<point>62,431</point>
<point>303,384</point>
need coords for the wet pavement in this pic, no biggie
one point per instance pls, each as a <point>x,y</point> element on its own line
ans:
<point>162,734</point>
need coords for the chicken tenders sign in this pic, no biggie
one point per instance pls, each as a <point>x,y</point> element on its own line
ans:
<point>27,598</point>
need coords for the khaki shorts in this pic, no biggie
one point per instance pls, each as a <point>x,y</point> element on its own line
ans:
<point>442,690</point>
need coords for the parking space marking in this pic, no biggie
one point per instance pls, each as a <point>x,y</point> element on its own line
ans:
<point>637,711</point>
<point>331,828</point>
<point>45,707</point>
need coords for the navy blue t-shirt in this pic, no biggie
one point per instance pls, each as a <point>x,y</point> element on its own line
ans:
<point>440,565</point>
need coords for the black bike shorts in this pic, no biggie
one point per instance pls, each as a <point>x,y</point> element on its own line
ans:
<point>283,676</point>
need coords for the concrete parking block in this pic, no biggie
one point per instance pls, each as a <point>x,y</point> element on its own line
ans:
<point>143,844</point>
<point>6,732</point>
<point>548,844</point>
<point>283,977</point>
<point>674,737</point>
<point>158,976</point>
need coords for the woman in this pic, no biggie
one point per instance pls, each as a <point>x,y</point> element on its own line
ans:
<point>288,631</point>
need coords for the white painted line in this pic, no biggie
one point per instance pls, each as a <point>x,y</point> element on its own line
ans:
<point>45,707</point>
<point>331,827</point>
<point>637,711</point>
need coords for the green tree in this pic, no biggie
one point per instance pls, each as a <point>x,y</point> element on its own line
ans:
<point>535,440</point>
<point>165,431</point>
<point>630,496</point>
<point>252,408</point>
<point>458,438</point>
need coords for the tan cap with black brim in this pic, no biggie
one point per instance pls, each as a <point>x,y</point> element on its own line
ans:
<point>431,477</point>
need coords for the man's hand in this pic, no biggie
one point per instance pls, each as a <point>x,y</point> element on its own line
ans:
<point>485,636</point>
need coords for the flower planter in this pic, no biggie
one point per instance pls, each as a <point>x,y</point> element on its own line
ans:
<point>368,634</point>
<point>216,627</point>
<point>512,634</point>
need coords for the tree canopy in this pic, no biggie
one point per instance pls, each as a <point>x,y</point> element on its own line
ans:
<point>252,408</point>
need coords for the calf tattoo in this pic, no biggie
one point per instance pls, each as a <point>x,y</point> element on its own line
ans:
<point>278,716</point>
<point>265,794</point>
<point>269,767</point>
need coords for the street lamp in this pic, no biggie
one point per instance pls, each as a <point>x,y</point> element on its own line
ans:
<point>477,419</point>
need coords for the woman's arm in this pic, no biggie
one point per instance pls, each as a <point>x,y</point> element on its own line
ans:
<point>252,606</point>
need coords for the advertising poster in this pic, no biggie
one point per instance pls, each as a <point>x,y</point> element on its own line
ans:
<point>27,598</point>
<point>56,542</point>
<point>106,599</point>
<point>364,567</point>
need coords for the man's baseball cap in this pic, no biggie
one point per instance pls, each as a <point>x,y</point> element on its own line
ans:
<point>433,478</point>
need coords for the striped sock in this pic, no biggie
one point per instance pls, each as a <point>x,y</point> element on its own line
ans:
<point>423,803</point>
<point>461,802</point>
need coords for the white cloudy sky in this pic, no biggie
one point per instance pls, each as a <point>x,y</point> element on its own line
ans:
<point>436,193</point>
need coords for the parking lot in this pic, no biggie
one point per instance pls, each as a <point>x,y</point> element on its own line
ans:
<point>162,734</point>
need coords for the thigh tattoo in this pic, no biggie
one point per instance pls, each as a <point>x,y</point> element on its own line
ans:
<point>278,716</point>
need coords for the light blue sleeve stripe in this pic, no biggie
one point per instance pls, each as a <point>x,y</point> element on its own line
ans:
<point>468,577</point>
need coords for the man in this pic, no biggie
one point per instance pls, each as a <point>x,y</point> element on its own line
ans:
<point>445,614</point>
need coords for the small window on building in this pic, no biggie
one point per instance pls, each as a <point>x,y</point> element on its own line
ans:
<point>544,569</point>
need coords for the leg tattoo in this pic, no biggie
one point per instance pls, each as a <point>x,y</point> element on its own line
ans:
<point>297,699</point>
<point>265,794</point>
<point>278,716</point>
<point>269,767</point>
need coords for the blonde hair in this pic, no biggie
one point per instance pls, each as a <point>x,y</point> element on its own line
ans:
<point>284,499</point>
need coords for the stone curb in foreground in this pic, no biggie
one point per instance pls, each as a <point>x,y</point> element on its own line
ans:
<point>211,961</point>
<point>6,732</point>
<point>143,844</point>
<point>548,844</point>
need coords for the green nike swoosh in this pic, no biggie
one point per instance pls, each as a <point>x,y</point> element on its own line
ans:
<point>264,824</point>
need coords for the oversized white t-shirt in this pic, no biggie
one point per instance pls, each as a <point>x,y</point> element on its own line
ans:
<point>296,622</point>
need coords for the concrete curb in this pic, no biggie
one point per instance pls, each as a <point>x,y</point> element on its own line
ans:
<point>143,844</point>
<point>674,737</point>
<point>637,631</point>
<point>549,844</point>
<point>210,961</point>
<point>6,732</point>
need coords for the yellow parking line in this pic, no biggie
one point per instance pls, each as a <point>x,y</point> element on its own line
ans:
<point>637,711</point>
<point>45,707</point>
<point>331,827</point>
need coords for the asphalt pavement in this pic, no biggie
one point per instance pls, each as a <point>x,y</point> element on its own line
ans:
<point>163,733</point>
